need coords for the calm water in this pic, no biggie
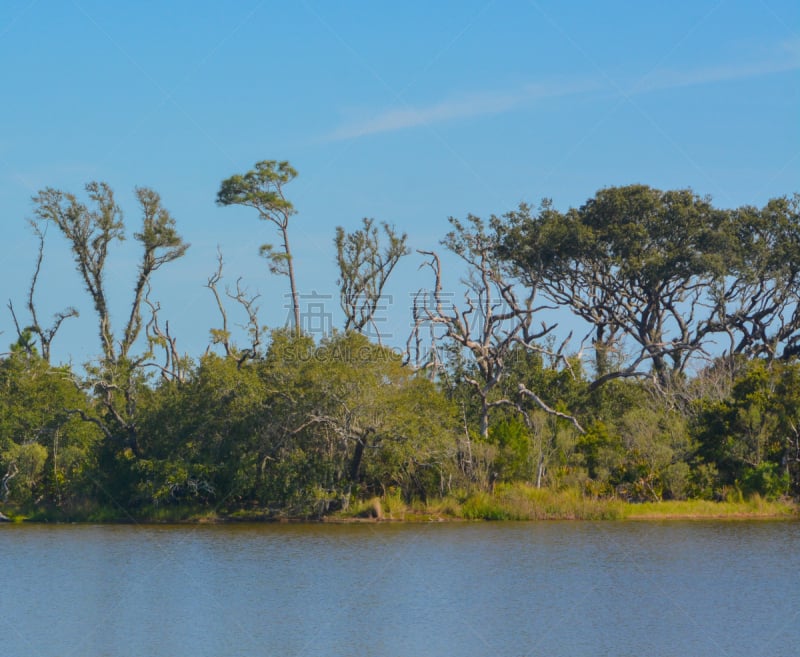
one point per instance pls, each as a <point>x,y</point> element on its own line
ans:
<point>554,589</point>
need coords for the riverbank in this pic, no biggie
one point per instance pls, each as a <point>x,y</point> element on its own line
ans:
<point>519,502</point>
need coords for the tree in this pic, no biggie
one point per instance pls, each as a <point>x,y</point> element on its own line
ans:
<point>199,437</point>
<point>89,233</point>
<point>364,269</point>
<point>90,230</point>
<point>160,244</point>
<point>45,335</point>
<point>247,302</point>
<point>636,263</point>
<point>369,421</point>
<point>262,189</point>
<point>757,302</point>
<point>46,452</point>
<point>752,438</point>
<point>493,320</point>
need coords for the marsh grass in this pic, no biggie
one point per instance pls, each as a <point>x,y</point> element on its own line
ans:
<point>525,502</point>
<point>507,502</point>
<point>753,507</point>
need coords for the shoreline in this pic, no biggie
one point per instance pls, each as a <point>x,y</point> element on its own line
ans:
<point>517,504</point>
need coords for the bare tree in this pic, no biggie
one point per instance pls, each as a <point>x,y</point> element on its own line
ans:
<point>219,335</point>
<point>364,268</point>
<point>491,321</point>
<point>248,302</point>
<point>175,366</point>
<point>12,472</point>
<point>45,335</point>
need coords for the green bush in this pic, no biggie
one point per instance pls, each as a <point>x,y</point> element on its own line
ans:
<point>766,481</point>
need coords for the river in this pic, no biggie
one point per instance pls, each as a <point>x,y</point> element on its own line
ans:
<point>442,589</point>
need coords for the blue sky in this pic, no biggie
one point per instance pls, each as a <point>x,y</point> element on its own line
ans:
<point>407,112</point>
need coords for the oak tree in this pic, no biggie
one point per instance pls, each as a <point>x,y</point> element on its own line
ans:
<point>634,262</point>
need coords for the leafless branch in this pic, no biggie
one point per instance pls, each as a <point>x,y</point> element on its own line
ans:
<point>219,336</point>
<point>547,409</point>
<point>254,329</point>
<point>173,367</point>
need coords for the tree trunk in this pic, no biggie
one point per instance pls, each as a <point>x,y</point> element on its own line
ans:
<point>292,283</point>
<point>540,469</point>
<point>484,419</point>
<point>355,464</point>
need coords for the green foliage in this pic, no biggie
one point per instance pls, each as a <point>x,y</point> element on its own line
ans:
<point>600,451</point>
<point>376,421</point>
<point>260,188</point>
<point>751,437</point>
<point>196,438</point>
<point>300,430</point>
<point>766,479</point>
<point>640,452</point>
<point>47,452</point>
<point>514,460</point>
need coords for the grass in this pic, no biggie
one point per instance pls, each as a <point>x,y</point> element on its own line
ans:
<point>525,502</point>
<point>755,507</point>
<point>518,502</point>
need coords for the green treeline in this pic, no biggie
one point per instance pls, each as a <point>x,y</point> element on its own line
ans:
<point>685,383</point>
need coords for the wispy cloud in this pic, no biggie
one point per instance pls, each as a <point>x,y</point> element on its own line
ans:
<point>671,79</point>
<point>467,106</point>
<point>501,102</point>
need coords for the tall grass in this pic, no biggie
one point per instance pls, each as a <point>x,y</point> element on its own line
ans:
<point>524,502</point>
<point>753,507</point>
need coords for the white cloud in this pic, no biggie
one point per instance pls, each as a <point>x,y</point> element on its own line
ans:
<point>482,104</point>
<point>493,103</point>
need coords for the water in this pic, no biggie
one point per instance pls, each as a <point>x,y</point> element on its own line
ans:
<point>506,589</point>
